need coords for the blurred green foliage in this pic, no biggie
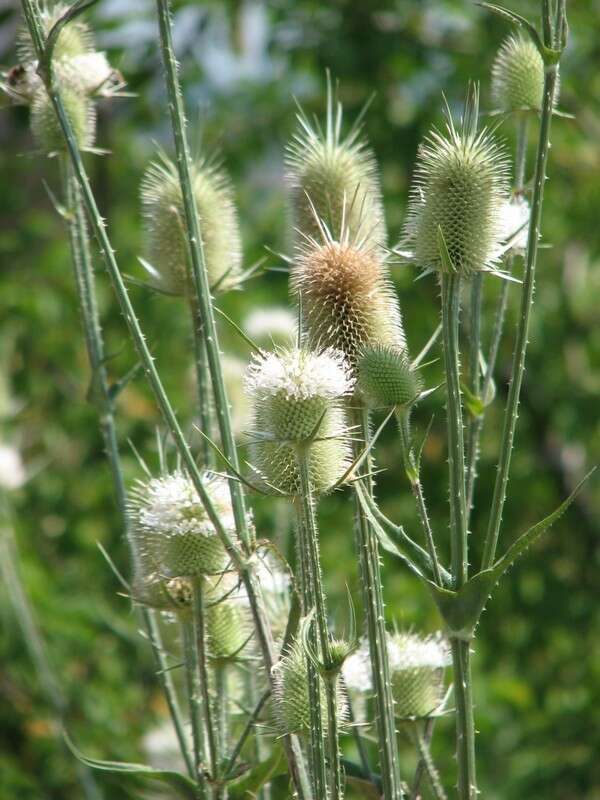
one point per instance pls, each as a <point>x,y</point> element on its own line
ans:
<point>537,662</point>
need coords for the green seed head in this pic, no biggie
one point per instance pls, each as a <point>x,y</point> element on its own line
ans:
<point>460,187</point>
<point>80,112</point>
<point>75,38</point>
<point>417,666</point>
<point>334,179</point>
<point>518,75</point>
<point>228,623</point>
<point>171,529</point>
<point>291,697</point>
<point>296,398</point>
<point>347,299</point>
<point>386,378</point>
<point>166,239</point>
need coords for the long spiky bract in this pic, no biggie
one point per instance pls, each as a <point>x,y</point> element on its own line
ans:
<point>335,175</point>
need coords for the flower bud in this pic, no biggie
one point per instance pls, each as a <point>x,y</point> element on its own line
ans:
<point>385,377</point>
<point>459,188</point>
<point>167,245</point>
<point>518,75</point>
<point>171,529</point>
<point>347,299</point>
<point>296,396</point>
<point>417,669</point>
<point>335,177</point>
<point>291,695</point>
<point>80,112</point>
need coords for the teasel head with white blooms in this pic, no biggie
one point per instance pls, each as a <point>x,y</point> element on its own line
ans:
<point>297,399</point>
<point>166,241</point>
<point>459,190</point>
<point>417,665</point>
<point>335,175</point>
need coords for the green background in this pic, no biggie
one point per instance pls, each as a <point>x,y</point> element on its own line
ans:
<point>537,656</point>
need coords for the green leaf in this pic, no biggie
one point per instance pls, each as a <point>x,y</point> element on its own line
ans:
<point>246,787</point>
<point>184,786</point>
<point>462,609</point>
<point>474,404</point>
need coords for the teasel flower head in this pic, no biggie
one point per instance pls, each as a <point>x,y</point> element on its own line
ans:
<point>75,38</point>
<point>386,377</point>
<point>459,189</point>
<point>296,396</point>
<point>346,298</point>
<point>417,666</point>
<point>337,175</point>
<point>290,694</point>
<point>171,529</point>
<point>228,622</point>
<point>80,112</point>
<point>515,223</point>
<point>166,238</point>
<point>518,75</point>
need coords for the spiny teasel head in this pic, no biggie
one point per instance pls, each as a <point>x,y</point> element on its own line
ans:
<point>335,175</point>
<point>80,112</point>
<point>346,298</point>
<point>75,38</point>
<point>290,694</point>
<point>459,187</point>
<point>171,529</point>
<point>417,666</point>
<point>518,75</point>
<point>386,378</point>
<point>166,238</point>
<point>228,622</point>
<point>296,396</point>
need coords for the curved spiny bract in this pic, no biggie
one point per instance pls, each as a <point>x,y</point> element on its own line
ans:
<point>75,39</point>
<point>347,299</point>
<point>518,75</point>
<point>460,186</point>
<point>334,179</point>
<point>166,238</point>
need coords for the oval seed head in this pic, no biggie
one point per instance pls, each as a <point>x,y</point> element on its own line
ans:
<point>228,623</point>
<point>296,396</point>
<point>459,188</point>
<point>75,38</point>
<point>80,112</point>
<point>417,666</point>
<point>334,179</point>
<point>385,377</point>
<point>166,238</point>
<point>518,75</point>
<point>291,697</point>
<point>347,299</point>
<point>171,529</point>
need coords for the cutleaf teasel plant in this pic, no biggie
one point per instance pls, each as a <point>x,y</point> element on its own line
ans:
<point>265,699</point>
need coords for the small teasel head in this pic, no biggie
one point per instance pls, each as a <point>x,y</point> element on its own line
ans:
<point>296,396</point>
<point>171,529</point>
<point>460,185</point>
<point>75,38</point>
<point>346,297</point>
<point>335,175</point>
<point>80,111</point>
<point>164,221</point>
<point>417,666</point>
<point>518,75</point>
<point>290,694</point>
<point>386,377</point>
<point>228,621</point>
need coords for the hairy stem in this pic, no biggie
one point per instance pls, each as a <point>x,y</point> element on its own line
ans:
<point>194,703</point>
<point>372,587</point>
<point>422,744</point>
<point>420,770</point>
<point>518,368</point>
<point>465,722</point>
<point>205,416</point>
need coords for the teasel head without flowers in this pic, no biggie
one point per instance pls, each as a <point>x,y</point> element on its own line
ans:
<point>518,76</point>
<point>457,198</point>
<point>166,244</point>
<point>296,396</point>
<point>336,176</point>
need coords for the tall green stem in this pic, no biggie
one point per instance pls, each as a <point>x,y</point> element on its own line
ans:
<point>372,587</point>
<point>265,640</point>
<point>465,722</point>
<point>310,544</point>
<point>194,703</point>
<point>518,368</point>
<point>203,385</point>
<point>421,742</point>
<point>198,262</point>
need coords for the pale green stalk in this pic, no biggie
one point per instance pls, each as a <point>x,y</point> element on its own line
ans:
<point>248,728</point>
<point>291,746</point>
<point>372,587</point>
<point>476,424</point>
<point>518,368</point>
<point>194,703</point>
<point>422,744</point>
<point>420,770</point>
<point>205,397</point>
<point>310,545</point>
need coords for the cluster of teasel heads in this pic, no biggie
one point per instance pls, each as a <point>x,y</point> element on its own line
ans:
<point>350,349</point>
